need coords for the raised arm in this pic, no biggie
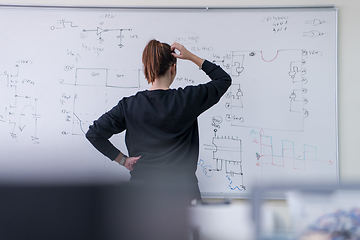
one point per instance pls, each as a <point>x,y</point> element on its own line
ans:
<point>185,54</point>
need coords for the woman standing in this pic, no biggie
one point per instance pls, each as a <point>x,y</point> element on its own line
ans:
<point>161,125</point>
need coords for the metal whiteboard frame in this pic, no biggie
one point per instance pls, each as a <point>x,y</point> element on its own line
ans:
<point>224,8</point>
<point>175,7</point>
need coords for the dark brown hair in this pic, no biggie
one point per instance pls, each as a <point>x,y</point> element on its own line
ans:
<point>157,59</point>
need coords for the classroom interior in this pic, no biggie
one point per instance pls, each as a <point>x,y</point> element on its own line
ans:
<point>262,215</point>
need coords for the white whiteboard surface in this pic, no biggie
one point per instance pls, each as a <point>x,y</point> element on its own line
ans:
<point>61,68</point>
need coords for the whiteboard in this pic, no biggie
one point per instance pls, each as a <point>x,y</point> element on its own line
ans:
<point>62,68</point>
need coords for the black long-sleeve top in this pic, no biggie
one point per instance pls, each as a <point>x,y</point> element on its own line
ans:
<point>162,127</point>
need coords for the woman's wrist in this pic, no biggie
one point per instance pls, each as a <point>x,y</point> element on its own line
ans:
<point>121,159</point>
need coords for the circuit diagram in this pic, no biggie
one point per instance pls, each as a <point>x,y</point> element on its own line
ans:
<point>19,114</point>
<point>100,32</point>
<point>250,89</point>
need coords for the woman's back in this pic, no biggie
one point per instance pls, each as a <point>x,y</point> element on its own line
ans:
<point>161,124</point>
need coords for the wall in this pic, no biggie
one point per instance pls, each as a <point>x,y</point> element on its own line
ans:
<point>348,61</point>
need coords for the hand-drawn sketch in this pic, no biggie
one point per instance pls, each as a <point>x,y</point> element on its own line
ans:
<point>82,62</point>
<point>288,158</point>
<point>278,23</point>
<point>253,77</point>
<point>99,31</point>
<point>61,24</point>
<point>18,109</point>
<point>187,38</point>
<point>227,159</point>
<point>313,34</point>
<point>315,22</point>
<point>86,108</point>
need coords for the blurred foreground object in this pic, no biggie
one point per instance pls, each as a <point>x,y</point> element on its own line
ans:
<point>91,212</point>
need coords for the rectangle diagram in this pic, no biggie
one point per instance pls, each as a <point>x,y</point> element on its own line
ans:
<point>103,77</point>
